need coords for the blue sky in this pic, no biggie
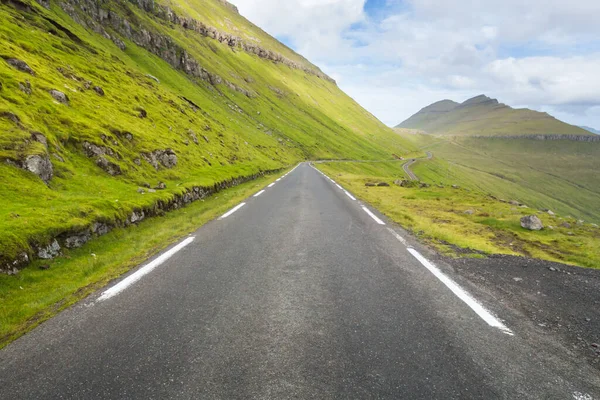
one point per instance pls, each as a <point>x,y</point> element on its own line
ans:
<point>397,56</point>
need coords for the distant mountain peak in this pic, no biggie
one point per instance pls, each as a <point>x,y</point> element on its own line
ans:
<point>479,100</point>
<point>485,116</point>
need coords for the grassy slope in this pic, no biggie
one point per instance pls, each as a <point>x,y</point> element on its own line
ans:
<point>557,175</point>
<point>312,119</point>
<point>437,215</point>
<point>490,120</point>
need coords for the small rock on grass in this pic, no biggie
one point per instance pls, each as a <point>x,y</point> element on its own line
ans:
<point>44,267</point>
<point>469,212</point>
<point>532,223</point>
<point>370,184</point>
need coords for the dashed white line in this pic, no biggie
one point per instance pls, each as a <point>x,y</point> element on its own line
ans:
<point>400,238</point>
<point>259,193</point>
<point>145,270</point>
<point>349,195</point>
<point>271,185</point>
<point>461,294</point>
<point>234,209</point>
<point>380,222</point>
<point>339,187</point>
<point>277,180</point>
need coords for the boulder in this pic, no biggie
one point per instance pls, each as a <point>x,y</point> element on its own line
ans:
<point>50,251</point>
<point>20,65</point>
<point>100,228</point>
<point>108,166</point>
<point>383,184</point>
<point>532,223</point>
<point>370,184</point>
<point>59,96</point>
<point>550,212</point>
<point>566,225</point>
<point>469,212</point>
<point>137,216</point>
<point>40,165</point>
<point>160,186</point>
<point>99,90</point>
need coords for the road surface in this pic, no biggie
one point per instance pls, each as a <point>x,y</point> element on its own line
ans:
<point>406,167</point>
<point>300,293</point>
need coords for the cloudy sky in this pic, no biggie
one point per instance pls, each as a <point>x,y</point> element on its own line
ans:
<point>397,56</point>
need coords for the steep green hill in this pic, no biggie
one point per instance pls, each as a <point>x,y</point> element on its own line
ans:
<point>483,116</point>
<point>103,101</point>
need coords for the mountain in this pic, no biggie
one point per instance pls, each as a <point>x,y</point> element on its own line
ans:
<point>101,100</point>
<point>587,128</point>
<point>483,116</point>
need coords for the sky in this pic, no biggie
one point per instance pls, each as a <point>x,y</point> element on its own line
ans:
<point>397,56</point>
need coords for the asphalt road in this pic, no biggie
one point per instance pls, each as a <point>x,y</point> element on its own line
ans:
<point>406,167</point>
<point>299,293</point>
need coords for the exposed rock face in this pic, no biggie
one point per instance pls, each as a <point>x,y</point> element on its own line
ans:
<point>532,222</point>
<point>50,251</point>
<point>167,158</point>
<point>77,240</point>
<point>99,18</point>
<point>20,65</point>
<point>12,267</point>
<point>59,96</point>
<point>93,150</point>
<point>137,216</point>
<point>110,167</point>
<point>39,165</point>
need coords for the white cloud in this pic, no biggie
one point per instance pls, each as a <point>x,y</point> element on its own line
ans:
<point>543,54</point>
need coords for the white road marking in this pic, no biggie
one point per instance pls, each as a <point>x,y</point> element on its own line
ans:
<point>400,238</point>
<point>461,294</point>
<point>582,396</point>
<point>234,209</point>
<point>339,187</point>
<point>259,193</point>
<point>278,180</point>
<point>145,270</point>
<point>380,222</point>
<point>349,195</point>
<point>271,185</point>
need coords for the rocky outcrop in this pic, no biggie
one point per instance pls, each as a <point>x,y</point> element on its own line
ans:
<point>40,165</point>
<point>167,158</point>
<point>108,166</point>
<point>532,223</point>
<point>20,65</point>
<point>93,14</point>
<point>77,238</point>
<point>59,96</point>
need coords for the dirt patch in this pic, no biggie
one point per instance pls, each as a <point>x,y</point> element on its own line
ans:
<point>557,298</point>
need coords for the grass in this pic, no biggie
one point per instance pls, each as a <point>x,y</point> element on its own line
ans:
<point>557,175</point>
<point>35,295</point>
<point>437,215</point>
<point>309,118</point>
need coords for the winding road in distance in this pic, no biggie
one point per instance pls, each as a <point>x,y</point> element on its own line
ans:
<point>406,167</point>
<point>299,292</point>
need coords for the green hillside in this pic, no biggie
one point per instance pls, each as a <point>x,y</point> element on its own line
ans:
<point>113,110</point>
<point>483,116</point>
